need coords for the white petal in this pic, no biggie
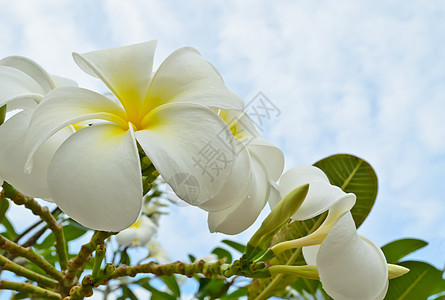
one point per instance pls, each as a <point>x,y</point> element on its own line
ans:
<point>298,176</point>
<point>270,155</point>
<point>95,178</point>
<point>126,237</point>
<point>125,70</point>
<point>321,195</point>
<point>191,147</point>
<point>310,254</point>
<point>13,156</point>
<point>239,217</point>
<point>185,76</point>
<point>14,83</point>
<point>32,69</point>
<point>62,81</point>
<point>351,267</point>
<point>236,187</point>
<point>146,231</point>
<point>274,197</point>
<point>64,106</point>
<point>244,129</point>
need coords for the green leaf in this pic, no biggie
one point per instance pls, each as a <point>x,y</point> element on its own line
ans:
<point>398,249</point>
<point>241,292</point>
<point>71,233</point>
<point>237,246</point>
<point>352,175</point>
<point>192,258</point>
<point>172,285</point>
<point>308,285</point>
<point>155,294</point>
<point>127,294</point>
<point>211,287</point>
<point>10,231</point>
<point>223,253</point>
<point>4,205</point>
<point>419,283</point>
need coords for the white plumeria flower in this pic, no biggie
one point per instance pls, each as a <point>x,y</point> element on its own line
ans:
<point>350,266</point>
<point>209,258</point>
<point>138,234</point>
<point>95,176</point>
<point>321,197</point>
<point>265,164</point>
<point>23,83</point>
<point>158,252</point>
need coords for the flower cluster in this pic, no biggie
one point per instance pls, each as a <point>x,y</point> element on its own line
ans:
<point>97,155</point>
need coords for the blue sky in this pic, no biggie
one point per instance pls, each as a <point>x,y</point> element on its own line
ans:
<point>360,77</point>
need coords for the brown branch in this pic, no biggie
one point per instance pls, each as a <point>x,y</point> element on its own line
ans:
<point>31,255</point>
<point>45,215</point>
<point>11,266</point>
<point>29,288</point>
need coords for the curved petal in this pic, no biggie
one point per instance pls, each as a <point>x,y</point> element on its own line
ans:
<point>321,196</point>
<point>64,106</point>
<point>236,186</point>
<point>125,70</point>
<point>350,266</point>
<point>270,155</point>
<point>126,237</point>
<point>95,178</point>
<point>32,69</point>
<point>274,197</point>
<point>298,176</point>
<point>244,129</point>
<point>62,81</point>
<point>15,83</point>
<point>241,216</point>
<point>185,76</point>
<point>310,254</point>
<point>192,149</point>
<point>147,229</point>
<point>13,156</point>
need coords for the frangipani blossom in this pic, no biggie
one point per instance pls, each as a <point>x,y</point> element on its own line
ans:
<point>350,266</point>
<point>95,176</point>
<point>266,163</point>
<point>158,252</point>
<point>321,197</point>
<point>138,234</point>
<point>23,83</point>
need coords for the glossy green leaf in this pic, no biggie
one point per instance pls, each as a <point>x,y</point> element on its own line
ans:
<point>10,231</point>
<point>172,285</point>
<point>155,293</point>
<point>353,175</point>
<point>308,285</point>
<point>398,249</point>
<point>223,254</point>
<point>419,283</point>
<point>4,205</point>
<point>127,294</point>
<point>211,287</point>
<point>71,233</point>
<point>239,293</point>
<point>235,245</point>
